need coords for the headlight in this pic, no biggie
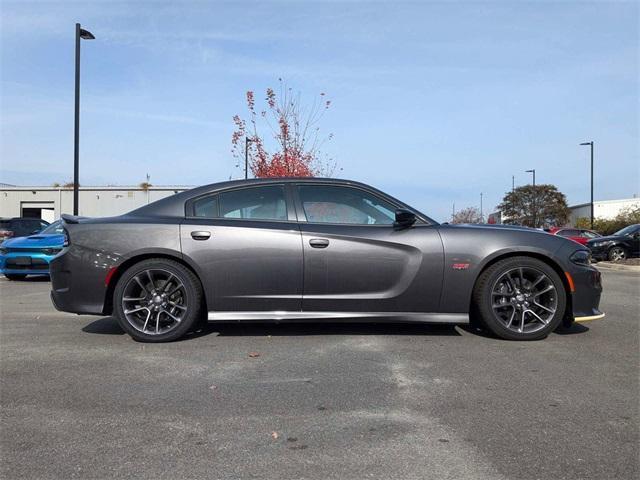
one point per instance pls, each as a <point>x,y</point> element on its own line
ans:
<point>581,257</point>
<point>3,250</point>
<point>602,244</point>
<point>51,251</point>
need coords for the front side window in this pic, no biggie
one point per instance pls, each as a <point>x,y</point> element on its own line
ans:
<point>346,205</point>
<point>254,203</point>
<point>569,233</point>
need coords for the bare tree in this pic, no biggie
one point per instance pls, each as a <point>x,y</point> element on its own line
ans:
<point>467,215</point>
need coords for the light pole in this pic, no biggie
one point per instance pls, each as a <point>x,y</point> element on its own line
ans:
<point>513,183</point>
<point>247,141</point>
<point>481,215</point>
<point>85,35</point>
<point>533,171</point>
<point>591,145</point>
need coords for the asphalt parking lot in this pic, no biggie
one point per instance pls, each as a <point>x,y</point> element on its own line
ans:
<point>79,399</point>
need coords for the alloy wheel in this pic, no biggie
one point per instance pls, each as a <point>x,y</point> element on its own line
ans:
<point>154,301</point>
<point>616,254</point>
<point>524,300</point>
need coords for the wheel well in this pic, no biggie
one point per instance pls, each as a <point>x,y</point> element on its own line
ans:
<point>124,266</point>
<point>568,316</point>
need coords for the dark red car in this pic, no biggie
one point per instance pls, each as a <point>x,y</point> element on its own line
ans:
<point>579,235</point>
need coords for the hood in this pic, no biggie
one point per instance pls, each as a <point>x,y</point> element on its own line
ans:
<point>55,240</point>
<point>613,238</point>
<point>488,226</point>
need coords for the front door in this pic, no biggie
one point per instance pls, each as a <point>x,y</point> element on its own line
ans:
<point>355,260</point>
<point>247,247</point>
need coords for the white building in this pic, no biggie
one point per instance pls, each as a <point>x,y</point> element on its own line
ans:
<point>49,203</point>
<point>606,209</point>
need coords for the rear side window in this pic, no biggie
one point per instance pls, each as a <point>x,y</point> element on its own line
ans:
<point>569,233</point>
<point>206,207</point>
<point>253,203</point>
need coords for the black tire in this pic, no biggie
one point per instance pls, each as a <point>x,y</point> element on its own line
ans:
<point>193,299</point>
<point>15,276</point>
<point>483,298</point>
<point>617,253</point>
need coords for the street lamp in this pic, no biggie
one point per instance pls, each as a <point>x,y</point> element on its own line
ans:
<point>533,171</point>
<point>85,35</point>
<point>591,145</point>
<point>247,140</point>
<point>481,213</point>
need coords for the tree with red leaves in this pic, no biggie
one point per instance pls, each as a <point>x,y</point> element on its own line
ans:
<point>294,147</point>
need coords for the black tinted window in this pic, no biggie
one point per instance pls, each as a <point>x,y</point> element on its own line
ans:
<point>569,233</point>
<point>337,204</point>
<point>206,207</point>
<point>254,203</point>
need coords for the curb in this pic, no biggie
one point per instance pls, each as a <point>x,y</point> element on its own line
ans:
<point>615,266</point>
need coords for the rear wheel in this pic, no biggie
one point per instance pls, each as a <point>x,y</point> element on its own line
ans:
<point>158,300</point>
<point>15,276</point>
<point>617,254</point>
<point>520,298</point>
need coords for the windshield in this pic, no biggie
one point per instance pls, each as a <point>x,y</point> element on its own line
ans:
<point>55,227</point>
<point>627,230</point>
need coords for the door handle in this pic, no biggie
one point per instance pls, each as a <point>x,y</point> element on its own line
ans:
<point>200,235</point>
<point>319,242</point>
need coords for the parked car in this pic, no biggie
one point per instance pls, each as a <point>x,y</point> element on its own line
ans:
<point>20,227</point>
<point>579,235</point>
<point>623,244</point>
<point>315,249</point>
<point>31,255</point>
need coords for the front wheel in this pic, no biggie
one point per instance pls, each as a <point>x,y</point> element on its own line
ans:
<point>520,298</point>
<point>157,300</point>
<point>617,254</point>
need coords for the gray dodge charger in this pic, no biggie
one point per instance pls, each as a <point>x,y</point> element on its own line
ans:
<point>308,249</point>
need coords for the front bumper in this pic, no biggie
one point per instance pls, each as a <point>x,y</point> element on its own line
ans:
<point>25,263</point>
<point>585,299</point>
<point>600,253</point>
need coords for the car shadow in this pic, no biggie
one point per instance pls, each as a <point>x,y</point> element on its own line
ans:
<point>104,326</point>
<point>109,326</point>
<point>34,279</point>
<point>574,329</point>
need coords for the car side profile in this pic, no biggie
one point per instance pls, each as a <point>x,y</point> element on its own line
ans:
<point>309,249</point>
<point>623,244</point>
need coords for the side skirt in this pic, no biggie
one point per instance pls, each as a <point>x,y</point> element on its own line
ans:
<point>284,316</point>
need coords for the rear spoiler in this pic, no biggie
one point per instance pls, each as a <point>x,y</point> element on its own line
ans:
<point>71,218</point>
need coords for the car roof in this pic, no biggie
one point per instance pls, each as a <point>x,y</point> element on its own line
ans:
<point>174,205</point>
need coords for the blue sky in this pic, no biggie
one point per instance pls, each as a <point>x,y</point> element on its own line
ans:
<point>433,102</point>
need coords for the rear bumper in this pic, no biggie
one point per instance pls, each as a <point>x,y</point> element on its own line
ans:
<point>76,288</point>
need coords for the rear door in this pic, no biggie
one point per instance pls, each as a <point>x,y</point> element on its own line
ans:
<point>247,246</point>
<point>356,261</point>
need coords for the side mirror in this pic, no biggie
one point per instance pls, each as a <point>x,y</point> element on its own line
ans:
<point>404,218</point>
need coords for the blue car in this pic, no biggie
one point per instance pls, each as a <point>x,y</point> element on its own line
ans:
<point>31,255</point>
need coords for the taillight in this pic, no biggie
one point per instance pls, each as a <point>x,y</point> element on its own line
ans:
<point>65,242</point>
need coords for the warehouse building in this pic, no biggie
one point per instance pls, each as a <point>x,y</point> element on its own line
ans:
<point>49,203</point>
<point>607,209</point>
